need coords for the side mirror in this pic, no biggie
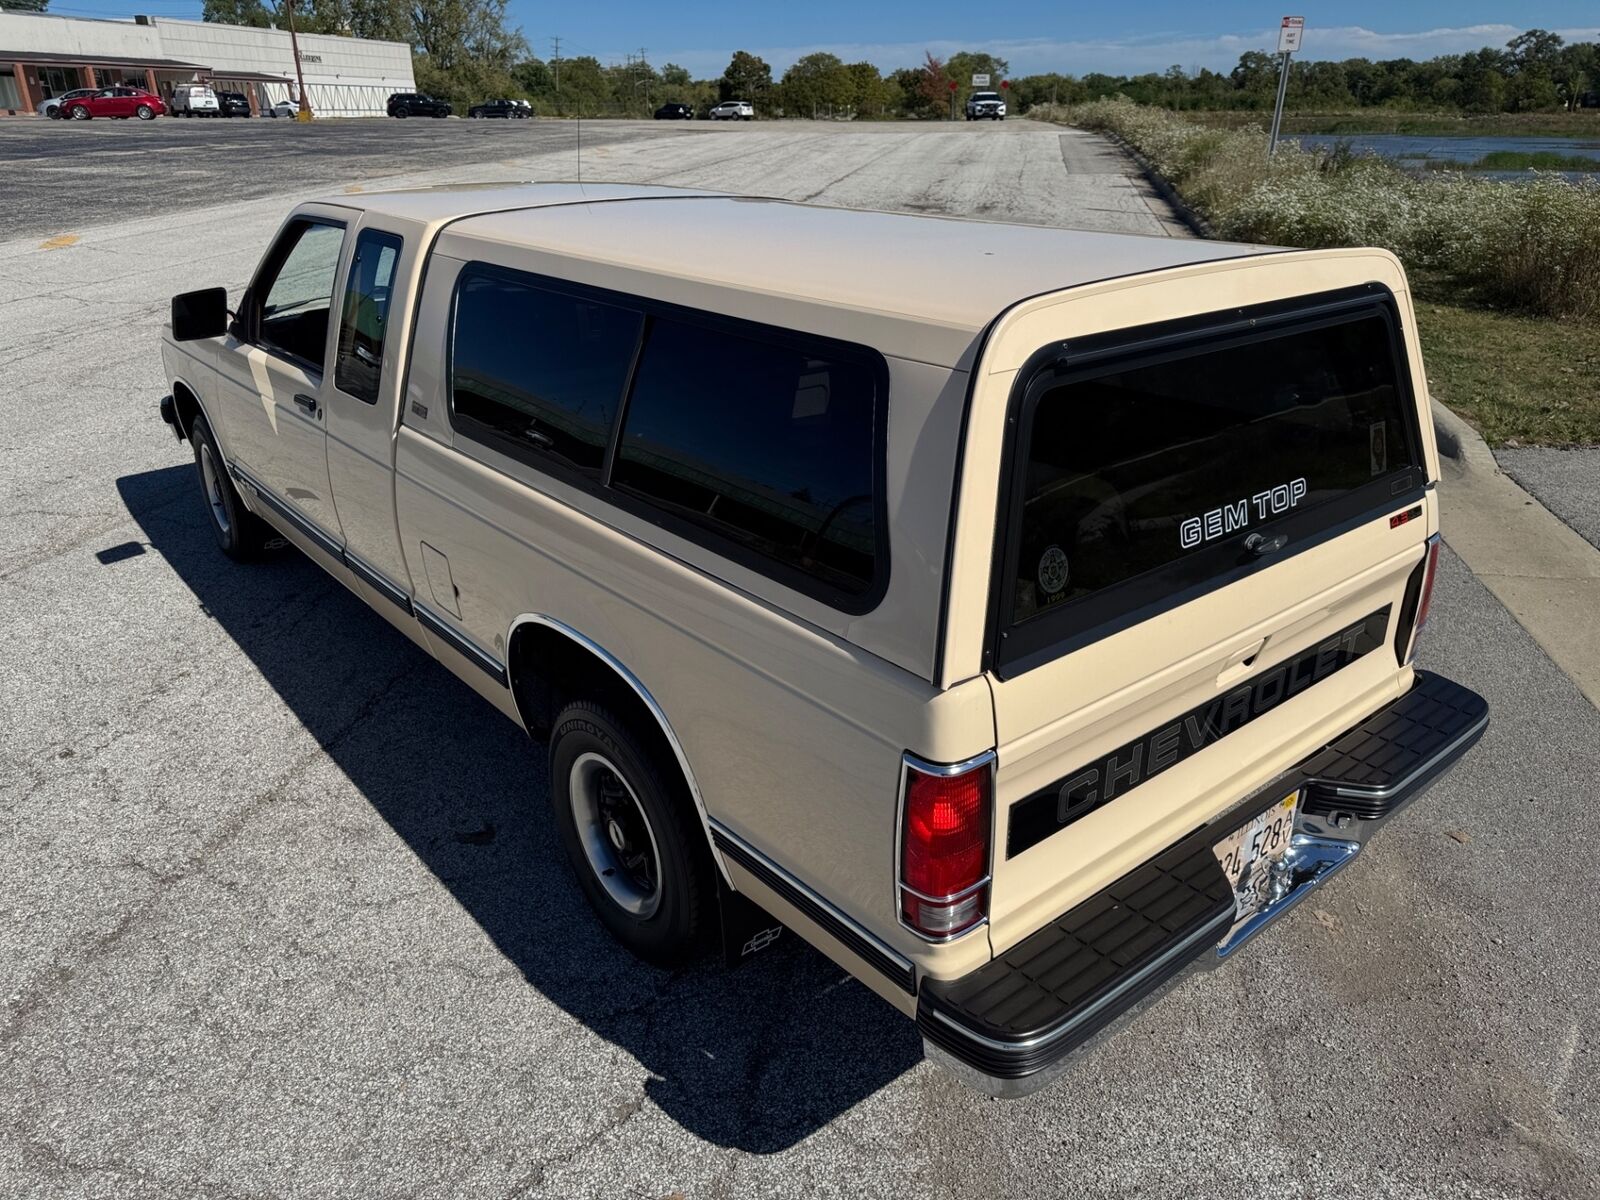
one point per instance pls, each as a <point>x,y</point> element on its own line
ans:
<point>202,314</point>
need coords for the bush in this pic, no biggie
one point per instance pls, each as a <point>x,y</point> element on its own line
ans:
<point>1533,245</point>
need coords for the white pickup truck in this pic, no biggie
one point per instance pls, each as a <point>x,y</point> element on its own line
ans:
<point>1020,646</point>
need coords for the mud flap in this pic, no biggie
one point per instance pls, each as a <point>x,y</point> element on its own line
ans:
<point>747,928</point>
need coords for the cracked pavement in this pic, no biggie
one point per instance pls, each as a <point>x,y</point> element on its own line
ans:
<point>282,914</point>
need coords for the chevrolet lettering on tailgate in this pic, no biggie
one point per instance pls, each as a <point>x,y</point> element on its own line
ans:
<point>1038,816</point>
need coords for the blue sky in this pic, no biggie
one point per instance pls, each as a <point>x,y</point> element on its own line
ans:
<point>1064,36</point>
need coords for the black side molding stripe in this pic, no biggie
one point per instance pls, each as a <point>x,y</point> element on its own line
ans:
<point>860,943</point>
<point>489,666</point>
<point>485,662</point>
<point>323,542</point>
<point>379,584</point>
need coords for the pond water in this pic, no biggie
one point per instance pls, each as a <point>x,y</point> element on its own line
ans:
<point>1410,150</point>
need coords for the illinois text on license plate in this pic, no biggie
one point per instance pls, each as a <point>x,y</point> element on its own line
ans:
<point>1248,856</point>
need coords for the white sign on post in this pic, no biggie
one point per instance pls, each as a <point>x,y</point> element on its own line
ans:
<point>980,81</point>
<point>1289,34</point>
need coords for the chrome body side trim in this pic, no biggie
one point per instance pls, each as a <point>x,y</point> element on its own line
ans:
<point>462,645</point>
<point>859,941</point>
<point>379,583</point>
<point>656,711</point>
<point>302,524</point>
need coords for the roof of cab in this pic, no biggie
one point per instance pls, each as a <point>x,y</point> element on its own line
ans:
<point>931,283</point>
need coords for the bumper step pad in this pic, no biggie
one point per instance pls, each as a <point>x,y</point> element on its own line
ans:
<point>1380,763</point>
<point>1058,987</point>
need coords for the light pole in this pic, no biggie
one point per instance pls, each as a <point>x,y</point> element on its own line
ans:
<point>300,76</point>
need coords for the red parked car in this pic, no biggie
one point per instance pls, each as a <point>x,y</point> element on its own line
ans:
<point>115,102</point>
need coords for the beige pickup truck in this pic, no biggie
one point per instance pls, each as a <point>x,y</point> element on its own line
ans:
<point>1023,617</point>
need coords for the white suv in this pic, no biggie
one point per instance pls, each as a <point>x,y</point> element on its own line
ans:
<point>733,110</point>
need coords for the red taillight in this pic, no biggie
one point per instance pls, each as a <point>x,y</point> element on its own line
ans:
<point>944,847</point>
<point>1427,590</point>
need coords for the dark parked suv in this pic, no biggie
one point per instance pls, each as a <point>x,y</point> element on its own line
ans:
<point>508,109</point>
<point>234,104</point>
<point>416,104</point>
<point>674,112</point>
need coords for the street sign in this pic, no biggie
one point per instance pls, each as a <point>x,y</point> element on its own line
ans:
<point>1289,34</point>
<point>980,81</point>
<point>954,86</point>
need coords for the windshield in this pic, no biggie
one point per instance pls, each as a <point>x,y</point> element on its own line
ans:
<point>986,95</point>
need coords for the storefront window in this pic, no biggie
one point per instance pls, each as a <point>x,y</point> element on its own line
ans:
<point>10,96</point>
<point>55,80</point>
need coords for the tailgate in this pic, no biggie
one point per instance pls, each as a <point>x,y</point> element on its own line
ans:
<point>1206,519</point>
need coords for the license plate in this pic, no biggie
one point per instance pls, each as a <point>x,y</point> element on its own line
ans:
<point>1248,856</point>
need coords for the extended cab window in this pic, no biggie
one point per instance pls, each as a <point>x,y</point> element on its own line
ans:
<point>535,371</point>
<point>769,447</point>
<point>365,320</point>
<point>297,294</point>
<point>1142,472</point>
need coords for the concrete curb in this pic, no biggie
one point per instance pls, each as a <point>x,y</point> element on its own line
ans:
<point>1546,575</point>
<point>1197,224</point>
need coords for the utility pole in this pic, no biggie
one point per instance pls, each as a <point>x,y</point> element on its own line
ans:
<point>1289,34</point>
<point>555,66</point>
<point>300,76</point>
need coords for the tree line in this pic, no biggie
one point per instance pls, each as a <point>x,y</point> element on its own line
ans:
<point>465,52</point>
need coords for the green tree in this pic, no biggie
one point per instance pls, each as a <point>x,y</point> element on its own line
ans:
<point>746,78</point>
<point>585,89</point>
<point>871,94</point>
<point>27,5</point>
<point>817,85</point>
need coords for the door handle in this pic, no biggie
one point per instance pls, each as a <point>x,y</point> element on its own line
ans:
<point>309,403</point>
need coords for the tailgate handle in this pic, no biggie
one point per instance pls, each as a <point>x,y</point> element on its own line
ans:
<point>1260,545</point>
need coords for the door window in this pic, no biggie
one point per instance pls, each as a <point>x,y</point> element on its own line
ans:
<point>297,292</point>
<point>365,318</point>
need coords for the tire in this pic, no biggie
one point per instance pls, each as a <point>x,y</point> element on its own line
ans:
<point>145,113</point>
<point>402,113</point>
<point>631,836</point>
<point>80,113</point>
<point>240,533</point>
<point>53,113</point>
<point>441,115</point>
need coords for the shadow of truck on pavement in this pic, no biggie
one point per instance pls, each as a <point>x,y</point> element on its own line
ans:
<point>754,1058</point>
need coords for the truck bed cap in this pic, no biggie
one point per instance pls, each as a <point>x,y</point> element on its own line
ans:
<point>769,259</point>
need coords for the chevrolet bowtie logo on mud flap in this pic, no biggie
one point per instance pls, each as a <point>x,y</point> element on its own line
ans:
<point>1230,518</point>
<point>1056,806</point>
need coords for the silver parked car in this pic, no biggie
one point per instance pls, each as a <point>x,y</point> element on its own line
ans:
<point>52,107</point>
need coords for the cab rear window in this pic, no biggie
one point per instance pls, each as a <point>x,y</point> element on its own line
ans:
<point>1151,467</point>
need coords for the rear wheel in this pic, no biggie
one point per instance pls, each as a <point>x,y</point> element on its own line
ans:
<point>240,533</point>
<point>145,113</point>
<point>400,112</point>
<point>630,834</point>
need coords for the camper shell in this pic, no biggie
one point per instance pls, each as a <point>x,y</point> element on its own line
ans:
<point>1022,616</point>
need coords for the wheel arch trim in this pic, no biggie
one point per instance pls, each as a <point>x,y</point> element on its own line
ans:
<point>639,689</point>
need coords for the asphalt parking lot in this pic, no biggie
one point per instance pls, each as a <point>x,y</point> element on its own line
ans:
<point>283,915</point>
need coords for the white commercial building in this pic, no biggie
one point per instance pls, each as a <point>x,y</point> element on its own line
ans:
<point>43,55</point>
